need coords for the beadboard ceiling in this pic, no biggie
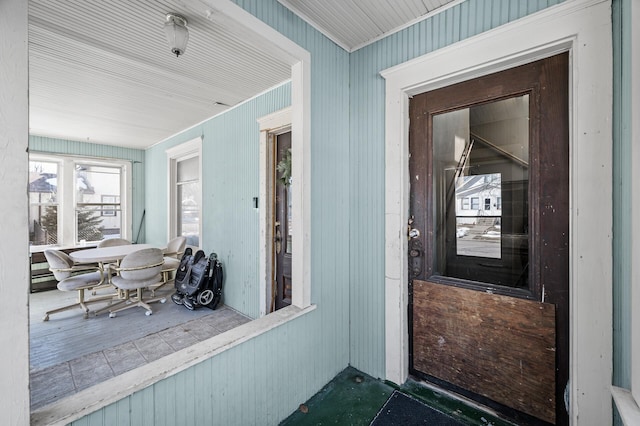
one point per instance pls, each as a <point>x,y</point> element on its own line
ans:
<point>101,71</point>
<point>353,24</point>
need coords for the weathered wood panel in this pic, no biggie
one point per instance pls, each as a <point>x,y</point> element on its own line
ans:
<point>497,346</point>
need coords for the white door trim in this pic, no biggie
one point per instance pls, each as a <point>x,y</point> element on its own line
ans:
<point>273,124</point>
<point>582,27</point>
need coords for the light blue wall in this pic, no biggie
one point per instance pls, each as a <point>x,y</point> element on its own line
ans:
<point>245,385</point>
<point>265,379</point>
<point>622,214</point>
<point>366,140</point>
<point>136,156</point>
<point>230,165</point>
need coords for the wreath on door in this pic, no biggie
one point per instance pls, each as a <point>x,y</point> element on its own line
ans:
<point>284,168</point>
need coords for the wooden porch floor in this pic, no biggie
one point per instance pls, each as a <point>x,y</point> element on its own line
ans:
<point>69,353</point>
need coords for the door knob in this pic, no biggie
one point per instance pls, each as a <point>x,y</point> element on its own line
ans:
<point>278,239</point>
<point>414,233</point>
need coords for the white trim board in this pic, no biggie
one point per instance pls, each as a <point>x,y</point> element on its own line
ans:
<point>582,27</point>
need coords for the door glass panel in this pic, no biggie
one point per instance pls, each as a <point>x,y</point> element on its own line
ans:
<point>289,220</point>
<point>480,187</point>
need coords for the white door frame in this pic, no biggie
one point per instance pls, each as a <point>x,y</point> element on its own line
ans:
<point>271,125</point>
<point>583,28</point>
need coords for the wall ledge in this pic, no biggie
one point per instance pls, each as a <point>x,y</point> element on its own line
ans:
<point>89,400</point>
<point>627,406</point>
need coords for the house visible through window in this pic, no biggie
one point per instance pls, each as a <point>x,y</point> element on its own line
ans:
<point>475,203</point>
<point>97,214</point>
<point>43,203</point>
<point>75,200</point>
<point>185,191</point>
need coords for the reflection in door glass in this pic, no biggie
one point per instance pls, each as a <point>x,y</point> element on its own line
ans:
<point>480,186</point>
<point>473,236</point>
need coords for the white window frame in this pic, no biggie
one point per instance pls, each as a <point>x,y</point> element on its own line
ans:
<point>583,28</point>
<point>184,151</point>
<point>67,229</point>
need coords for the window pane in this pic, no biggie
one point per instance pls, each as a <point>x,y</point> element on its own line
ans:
<point>43,200</point>
<point>188,214</point>
<point>98,210</point>
<point>89,224</point>
<point>188,169</point>
<point>481,154</point>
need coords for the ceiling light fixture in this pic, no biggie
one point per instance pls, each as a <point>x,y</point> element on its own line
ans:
<point>177,33</point>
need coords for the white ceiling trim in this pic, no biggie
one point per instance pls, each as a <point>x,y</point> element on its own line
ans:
<point>374,35</point>
<point>409,24</point>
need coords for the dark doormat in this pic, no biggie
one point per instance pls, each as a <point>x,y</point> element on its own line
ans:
<point>401,409</point>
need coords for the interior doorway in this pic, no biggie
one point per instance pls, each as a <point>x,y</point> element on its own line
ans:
<point>274,204</point>
<point>282,222</point>
<point>488,255</point>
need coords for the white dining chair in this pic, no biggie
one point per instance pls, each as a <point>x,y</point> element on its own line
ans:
<point>138,271</point>
<point>74,278</point>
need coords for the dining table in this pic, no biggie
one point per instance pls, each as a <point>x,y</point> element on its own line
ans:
<point>106,254</point>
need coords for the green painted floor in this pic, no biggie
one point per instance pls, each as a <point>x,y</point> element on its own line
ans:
<point>353,398</point>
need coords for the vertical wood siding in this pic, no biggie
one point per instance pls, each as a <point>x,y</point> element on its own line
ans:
<point>136,156</point>
<point>263,380</point>
<point>366,139</point>
<point>622,216</point>
<point>230,165</point>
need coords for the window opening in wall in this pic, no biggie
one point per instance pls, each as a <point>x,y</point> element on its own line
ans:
<point>73,200</point>
<point>188,200</point>
<point>185,191</point>
<point>97,214</point>
<point>43,203</point>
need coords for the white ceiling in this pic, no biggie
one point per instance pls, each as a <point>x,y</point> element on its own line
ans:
<point>102,72</point>
<point>353,24</point>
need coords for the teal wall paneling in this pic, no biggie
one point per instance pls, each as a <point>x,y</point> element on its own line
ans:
<point>230,165</point>
<point>244,385</point>
<point>622,214</point>
<point>366,139</point>
<point>136,156</point>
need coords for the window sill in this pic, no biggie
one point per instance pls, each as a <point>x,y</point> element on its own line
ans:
<point>94,398</point>
<point>627,406</point>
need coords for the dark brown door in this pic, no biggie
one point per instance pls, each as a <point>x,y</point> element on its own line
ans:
<point>282,223</point>
<point>488,239</point>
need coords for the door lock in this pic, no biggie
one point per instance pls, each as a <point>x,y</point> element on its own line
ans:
<point>412,232</point>
<point>278,239</point>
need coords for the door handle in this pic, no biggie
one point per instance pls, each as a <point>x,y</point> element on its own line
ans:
<point>412,232</point>
<point>277,239</point>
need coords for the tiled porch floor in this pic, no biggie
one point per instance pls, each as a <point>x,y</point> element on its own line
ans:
<point>119,344</point>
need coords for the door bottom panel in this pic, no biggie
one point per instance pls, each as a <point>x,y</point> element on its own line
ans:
<point>499,347</point>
